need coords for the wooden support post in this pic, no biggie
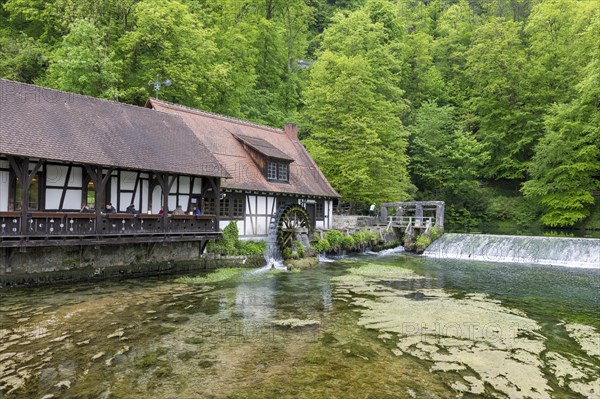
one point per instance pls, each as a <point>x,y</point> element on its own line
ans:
<point>166,182</point>
<point>21,168</point>
<point>100,181</point>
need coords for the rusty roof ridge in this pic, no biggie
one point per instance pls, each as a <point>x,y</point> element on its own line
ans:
<point>218,116</point>
<point>75,94</point>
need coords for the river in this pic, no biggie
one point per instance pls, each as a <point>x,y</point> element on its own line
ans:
<point>372,326</point>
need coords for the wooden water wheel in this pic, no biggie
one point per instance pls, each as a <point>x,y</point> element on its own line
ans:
<point>293,220</point>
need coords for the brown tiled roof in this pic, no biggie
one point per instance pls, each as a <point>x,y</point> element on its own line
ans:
<point>222,135</point>
<point>263,147</point>
<point>43,123</point>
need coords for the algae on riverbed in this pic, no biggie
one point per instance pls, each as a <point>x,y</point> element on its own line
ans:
<point>480,341</point>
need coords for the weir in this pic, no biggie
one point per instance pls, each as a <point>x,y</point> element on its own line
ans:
<point>556,251</point>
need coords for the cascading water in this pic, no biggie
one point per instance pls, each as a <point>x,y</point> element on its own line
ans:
<point>570,252</point>
<point>272,252</point>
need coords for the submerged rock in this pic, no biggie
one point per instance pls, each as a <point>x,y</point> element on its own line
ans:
<point>293,323</point>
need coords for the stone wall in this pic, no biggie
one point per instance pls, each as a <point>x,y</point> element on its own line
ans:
<point>67,264</point>
<point>351,222</point>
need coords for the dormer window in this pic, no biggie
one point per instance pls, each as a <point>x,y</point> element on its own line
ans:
<point>274,163</point>
<point>283,172</point>
<point>277,171</point>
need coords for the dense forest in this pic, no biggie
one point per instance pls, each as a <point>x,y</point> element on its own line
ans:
<point>490,105</point>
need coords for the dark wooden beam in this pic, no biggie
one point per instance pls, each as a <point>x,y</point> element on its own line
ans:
<point>100,181</point>
<point>21,168</point>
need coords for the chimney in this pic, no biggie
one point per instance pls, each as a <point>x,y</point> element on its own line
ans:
<point>291,130</point>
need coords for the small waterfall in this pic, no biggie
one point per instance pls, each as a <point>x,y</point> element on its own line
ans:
<point>570,252</point>
<point>272,252</point>
<point>391,251</point>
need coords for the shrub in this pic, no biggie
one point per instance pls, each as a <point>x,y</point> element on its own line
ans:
<point>250,247</point>
<point>231,245</point>
<point>423,240</point>
<point>436,233</point>
<point>297,245</point>
<point>335,239</point>
<point>322,245</point>
<point>348,242</point>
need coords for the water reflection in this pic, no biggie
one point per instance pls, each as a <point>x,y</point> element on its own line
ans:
<point>159,338</point>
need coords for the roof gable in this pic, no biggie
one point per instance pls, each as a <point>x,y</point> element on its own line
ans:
<point>225,138</point>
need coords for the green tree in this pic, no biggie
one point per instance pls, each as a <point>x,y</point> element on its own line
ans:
<point>445,161</point>
<point>495,68</point>
<point>352,110</point>
<point>21,57</point>
<point>168,40</point>
<point>82,63</point>
<point>566,165</point>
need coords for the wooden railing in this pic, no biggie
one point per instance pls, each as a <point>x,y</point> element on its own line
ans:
<point>405,221</point>
<point>55,225</point>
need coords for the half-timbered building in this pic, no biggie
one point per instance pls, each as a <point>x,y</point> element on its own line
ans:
<point>269,168</point>
<point>64,157</point>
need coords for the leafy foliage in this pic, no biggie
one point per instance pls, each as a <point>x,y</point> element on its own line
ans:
<point>231,245</point>
<point>398,99</point>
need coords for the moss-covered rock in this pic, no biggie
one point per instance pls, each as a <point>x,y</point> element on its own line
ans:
<point>299,264</point>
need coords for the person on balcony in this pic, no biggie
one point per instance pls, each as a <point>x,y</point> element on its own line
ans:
<point>196,211</point>
<point>86,209</point>
<point>178,211</point>
<point>110,208</point>
<point>131,209</point>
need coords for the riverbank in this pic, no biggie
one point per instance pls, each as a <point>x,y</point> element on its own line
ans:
<point>119,271</point>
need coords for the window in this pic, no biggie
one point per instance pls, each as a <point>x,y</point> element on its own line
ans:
<point>90,195</point>
<point>232,207</point>
<point>224,207</point>
<point>283,172</point>
<point>238,207</point>
<point>209,206</point>
<point>272,171</point>
<point>320,210</point>
<point>34,194</point>
<point>278,171</point>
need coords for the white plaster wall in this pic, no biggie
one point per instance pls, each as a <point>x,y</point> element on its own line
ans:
<point>261,205</point>
<point>184,184</point>
<point>76,178</point>
<point>271,205</point>
<point>156,199</point>
<point>72,200</point>
<point>250,205</point>
<point>113,191</point>
<point>53,198</point>
<point>197,186</point>
<point>144,186</point>
<point>4,177</point>
<point>56,175</point>
<point>261,225</point>
<point>128,180</point>
<point>172,202</point>
<point>124,202</point>
<point>184,200</point>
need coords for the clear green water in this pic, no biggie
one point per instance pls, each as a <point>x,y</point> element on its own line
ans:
<point>165,339</point>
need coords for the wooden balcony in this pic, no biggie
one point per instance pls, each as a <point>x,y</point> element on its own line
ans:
<point>59,228</point>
